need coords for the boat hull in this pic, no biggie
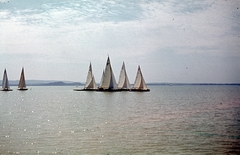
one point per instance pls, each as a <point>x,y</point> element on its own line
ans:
<point>125,89</point>
<point>6,89</point>
<point>22,89</point>
<point>140,90</point>
<point>109,90</point>
<point>79,89</point>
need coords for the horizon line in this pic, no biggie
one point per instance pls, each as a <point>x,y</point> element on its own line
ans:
<point>148,83</point>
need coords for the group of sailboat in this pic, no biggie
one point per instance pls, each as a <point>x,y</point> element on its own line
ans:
<point>21,85</point>
<point>108,82</point>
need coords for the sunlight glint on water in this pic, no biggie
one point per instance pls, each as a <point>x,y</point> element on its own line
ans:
<point>166,120</point>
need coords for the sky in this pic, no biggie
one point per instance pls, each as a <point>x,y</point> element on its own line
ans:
<point>187,41</point>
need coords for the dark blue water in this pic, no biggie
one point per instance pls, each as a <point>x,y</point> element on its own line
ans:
<point>166,120</point>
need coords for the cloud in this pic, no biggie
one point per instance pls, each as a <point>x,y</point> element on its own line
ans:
<point>74,11</point>
<point>206,26</point>
<point>3,1</point>
<point>143,27</point>
<point>139,32</point>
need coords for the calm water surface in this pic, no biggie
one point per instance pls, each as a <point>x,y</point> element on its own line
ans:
<point>166,120</point>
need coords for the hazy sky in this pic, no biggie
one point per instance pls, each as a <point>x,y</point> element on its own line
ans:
<point>172,40</point>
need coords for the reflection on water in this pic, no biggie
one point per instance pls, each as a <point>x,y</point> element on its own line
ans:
<point>167,120</point>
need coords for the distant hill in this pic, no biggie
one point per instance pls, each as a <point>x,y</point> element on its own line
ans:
<point>60,83</point>
<point>45,83</point>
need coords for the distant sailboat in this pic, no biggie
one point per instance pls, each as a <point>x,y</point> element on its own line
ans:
<point>108,80</point>
<point>139,84</point>
<point>5,83</point>
<point>22,83</point>
<point>90,83</point>
<point>123,82</point>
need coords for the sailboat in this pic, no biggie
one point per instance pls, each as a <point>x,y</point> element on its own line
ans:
<point>5,83</point>
<point>108,82</point>
<point>123,82</point>
<point>139,84</point>
<point>22,83</point>
<point>90,82</point>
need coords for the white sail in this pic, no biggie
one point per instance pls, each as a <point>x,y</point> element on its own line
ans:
<point>108,81</point>
<point>123,82</point>
<point>22,83</point>
<point>139,83</point>
<point>5,83</point>
<point>101,82</point>
<point>90,83</point>
<point>94,86</point>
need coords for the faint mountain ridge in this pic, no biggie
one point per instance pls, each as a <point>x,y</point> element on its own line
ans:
<point>45,83</point>
<point>61,83</point>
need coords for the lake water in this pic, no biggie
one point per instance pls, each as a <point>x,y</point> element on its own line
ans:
<point>166,120</point>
